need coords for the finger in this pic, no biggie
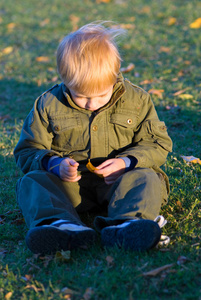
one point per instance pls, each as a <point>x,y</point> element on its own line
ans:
<point>67,179</point>
<point>104,164</point>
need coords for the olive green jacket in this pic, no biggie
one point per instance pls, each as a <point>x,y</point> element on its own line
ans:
<point>127,125</point>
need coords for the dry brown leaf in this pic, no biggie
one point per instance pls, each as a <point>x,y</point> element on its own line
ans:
<point>129,68</point>
<point>8,295</point>
<point>180,92</point>
<point>33,287</point>
<point>110,261</point>
<point>45,22</point>
<point>123,26</point>
<point>7,50</point>
<point>156,92</point>
<point>88,293</point>
<point>63,255</point>
<point>181,260</point>
<point>147,81</point>
<point>146,9</point>
<point>68,291</point>
<point>102,1</point>
<point>171,21</point>
<point>74,21</point>
<point>42,59</point>
<point>191,159</point>
<point>164,49</point>
<point>196,24</point>
<point>155,272</point>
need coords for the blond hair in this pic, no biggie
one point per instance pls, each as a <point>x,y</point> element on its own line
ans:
<point>88,59</point>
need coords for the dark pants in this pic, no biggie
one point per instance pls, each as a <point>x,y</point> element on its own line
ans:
<point>44,197</point>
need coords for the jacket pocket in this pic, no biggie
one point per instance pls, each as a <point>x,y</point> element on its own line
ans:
<point>68,133</point>
<point>122,130</point>
<point>158,132</point>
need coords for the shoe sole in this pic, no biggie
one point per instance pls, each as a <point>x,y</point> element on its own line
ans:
<point>48,240</point>
<point>140,235</point>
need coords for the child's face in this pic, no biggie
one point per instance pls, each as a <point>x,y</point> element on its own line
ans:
<point>92,102</point>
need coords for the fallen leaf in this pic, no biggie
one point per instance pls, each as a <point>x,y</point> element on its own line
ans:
<point>123,26</point>
<point>11,26</point>
<point>63,255</point>
<point>33,287</point>
<point>8,295</point>
<point>68,291</point>
<point>129,68</point>
<point>191,159</point>
<point>7,50</point>
<point>181,260</point>
<point>147,81</point>
<point>45,22</point>
<point>42,59</point>
<point>180,92</point>
<point>88,293</point>
<point>102,1</point>
<point>155,272</point>
<point>146,9</point>
<point>74,20</point>
<point>196,24</point>
<point>185,96</point>
<point>171,21</point>
<point>110,261</point>
<point>156,92</point>
<point>164,49</point>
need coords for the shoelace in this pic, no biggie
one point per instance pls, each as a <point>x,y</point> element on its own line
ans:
<point>164,238</point>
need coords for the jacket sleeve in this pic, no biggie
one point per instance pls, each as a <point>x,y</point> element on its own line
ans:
<point>35,140</point>
<point>151,142</point>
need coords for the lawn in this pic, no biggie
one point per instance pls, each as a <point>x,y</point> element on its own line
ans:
<point>163,42</point>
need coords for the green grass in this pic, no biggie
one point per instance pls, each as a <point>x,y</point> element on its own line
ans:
<point>99,273</point>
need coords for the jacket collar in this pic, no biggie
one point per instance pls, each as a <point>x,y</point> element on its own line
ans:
<point>118,91</point>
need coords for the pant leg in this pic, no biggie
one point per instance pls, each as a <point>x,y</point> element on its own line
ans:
<point>136,194</point>
<point>42,195</point>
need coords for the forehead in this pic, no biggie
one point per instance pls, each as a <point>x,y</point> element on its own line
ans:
<point>91,95</point>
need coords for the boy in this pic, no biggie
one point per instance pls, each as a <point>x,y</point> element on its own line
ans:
<point>96,116</point>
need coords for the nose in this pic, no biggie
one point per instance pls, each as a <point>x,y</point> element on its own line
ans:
<point>91,104</point>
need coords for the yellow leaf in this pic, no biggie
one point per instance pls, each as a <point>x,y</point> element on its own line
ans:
<point>196,24</point>
<point>8,295</point>
<point>171,21</point>
<point>129,68</point>
<point>7,50</point>
<point>42,59</point>
<point>185,96</point>
<point>192,159</point>
<point>11,26</point>
<point>91,168</point>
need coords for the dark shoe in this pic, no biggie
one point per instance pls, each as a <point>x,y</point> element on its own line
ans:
<point>137,235</point>
<point>48,239</point>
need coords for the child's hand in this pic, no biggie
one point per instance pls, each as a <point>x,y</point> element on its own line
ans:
<point>111,169</point>
<point>68,170</point>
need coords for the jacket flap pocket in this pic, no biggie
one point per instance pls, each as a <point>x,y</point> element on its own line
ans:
<point>123,119</point>
<point>63,124</point>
